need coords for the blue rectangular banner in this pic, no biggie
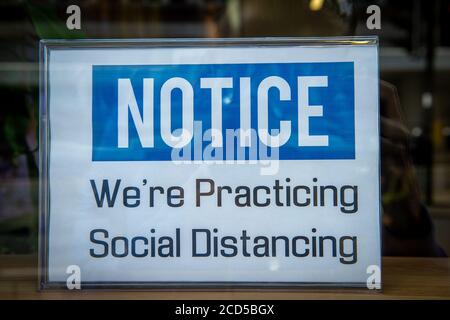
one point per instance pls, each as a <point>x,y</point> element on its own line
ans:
<point>309,107</point>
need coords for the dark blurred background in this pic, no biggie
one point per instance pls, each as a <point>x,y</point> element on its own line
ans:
<point>414,57</point>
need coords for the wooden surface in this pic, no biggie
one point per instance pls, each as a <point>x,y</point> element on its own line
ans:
<point>405,278</point>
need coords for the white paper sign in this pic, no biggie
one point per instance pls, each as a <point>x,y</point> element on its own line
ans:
<point>212,165</point>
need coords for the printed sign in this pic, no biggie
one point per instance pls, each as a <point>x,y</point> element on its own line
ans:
<point>211,165</point>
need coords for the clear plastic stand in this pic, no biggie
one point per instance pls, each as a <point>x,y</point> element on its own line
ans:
<point>210,164</point>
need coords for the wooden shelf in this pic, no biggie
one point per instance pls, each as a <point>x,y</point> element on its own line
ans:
<point>403,278</point>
